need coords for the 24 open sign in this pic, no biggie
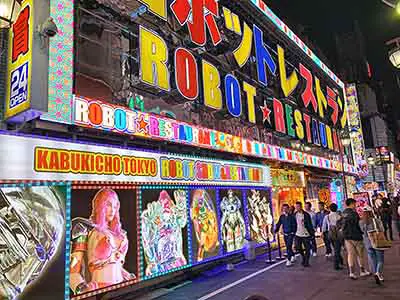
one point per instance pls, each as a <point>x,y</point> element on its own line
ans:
<point>19,86</point>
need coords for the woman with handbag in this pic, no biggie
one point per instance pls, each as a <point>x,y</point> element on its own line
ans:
<point>374,241</point>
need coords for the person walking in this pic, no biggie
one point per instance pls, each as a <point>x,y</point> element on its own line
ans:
<point>332,228</point>
<point>320,220</point>
<point>353,239</point>
<point>288,223</point>
<point>304,232</point>
<point>386,215</point>
<point>370,223</point>
<point>396,214</point>
<point>313,215</point>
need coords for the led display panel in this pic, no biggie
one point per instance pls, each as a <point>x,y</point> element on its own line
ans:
<point>164,229</point>
<point>204,218</point>
<point>232,225</point>
<point>103,238</point>
<point>32,240</point>
<point>260,215</point>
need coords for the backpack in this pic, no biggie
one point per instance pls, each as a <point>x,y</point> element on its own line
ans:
<point>335,232</point>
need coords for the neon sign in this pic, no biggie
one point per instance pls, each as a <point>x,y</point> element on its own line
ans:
<point>355,126</point>
<point>105,116</point>
<point>221,91</point>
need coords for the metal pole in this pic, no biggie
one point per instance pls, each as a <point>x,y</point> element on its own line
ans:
<point>373,173</point>
<point>3,70</point>
<point>344,175</point>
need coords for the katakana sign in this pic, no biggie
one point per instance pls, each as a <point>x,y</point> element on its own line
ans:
<point>20,60</point>
<point>307,106</point>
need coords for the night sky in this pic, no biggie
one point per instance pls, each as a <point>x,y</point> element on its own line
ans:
<point>322,19</point>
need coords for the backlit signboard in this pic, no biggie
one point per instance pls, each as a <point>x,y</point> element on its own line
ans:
<point>18,91</point>
<point>355,128</point>
<point>297,99</point>
<point>112,217</point>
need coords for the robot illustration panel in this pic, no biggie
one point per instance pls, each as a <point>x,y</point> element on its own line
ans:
<point>204,220</point>
<point>103,238</point>
<point>232,226</point>
<point>164,220</point>
<point>32,241</point>
<point>260,215</point>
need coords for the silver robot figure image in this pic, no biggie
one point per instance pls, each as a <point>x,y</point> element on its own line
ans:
<point>232,222</point>
<point>32,226</point>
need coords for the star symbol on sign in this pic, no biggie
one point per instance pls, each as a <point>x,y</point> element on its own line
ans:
<point>266,113</point>
<point>143,125</point>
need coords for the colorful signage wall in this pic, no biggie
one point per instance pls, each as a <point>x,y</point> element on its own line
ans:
<point>355,128</point>
<point>85,236</point>
<point>307,105</point>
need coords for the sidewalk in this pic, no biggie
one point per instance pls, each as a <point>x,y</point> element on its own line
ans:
<point>320,282</point>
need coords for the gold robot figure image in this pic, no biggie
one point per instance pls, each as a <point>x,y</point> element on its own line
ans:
<point>204,218</point>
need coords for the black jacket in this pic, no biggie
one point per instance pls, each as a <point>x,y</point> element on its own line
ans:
<point>351,225</point>
<point>307,223</point>
<point>288,222</point>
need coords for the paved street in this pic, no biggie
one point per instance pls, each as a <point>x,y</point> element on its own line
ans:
<point>320,282</point>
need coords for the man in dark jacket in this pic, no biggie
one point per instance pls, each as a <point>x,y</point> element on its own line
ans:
<point>304,233</point>
<point>288,223</point>
<point>353,239</point>
<point>396,213</point>
<point>386,215</point>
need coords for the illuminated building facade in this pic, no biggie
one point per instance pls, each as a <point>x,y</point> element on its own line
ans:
<point>185,119</point>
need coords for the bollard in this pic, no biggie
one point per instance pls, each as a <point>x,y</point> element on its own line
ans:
<point>230,267</point>
<point>250,250</point>
<point>279,257</point>
<point>269,259</point>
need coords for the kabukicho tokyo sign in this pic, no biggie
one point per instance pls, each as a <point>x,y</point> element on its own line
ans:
<point>105,116</point>
<point>26,158</point>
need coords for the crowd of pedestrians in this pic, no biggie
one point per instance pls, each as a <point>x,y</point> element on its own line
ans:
<point>349,234</point>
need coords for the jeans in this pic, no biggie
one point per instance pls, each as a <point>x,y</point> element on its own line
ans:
<point>376,260</point>
<point>387,224</point>
<point>398,227</point>
<point>313,245</point>
<point>289,238</point>
<point>327,243</point>
<point>337,247</point>
<point>303,245</point>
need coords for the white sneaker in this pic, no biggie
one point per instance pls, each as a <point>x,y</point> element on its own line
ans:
<point>328,255</point>
<point>293,259</point>
<point>288,263</point>
<point>314,254</point>
<point>365,274</point>
<point>353,276</point>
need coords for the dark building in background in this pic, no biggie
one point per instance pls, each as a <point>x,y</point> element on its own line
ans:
<point>377,117</point>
